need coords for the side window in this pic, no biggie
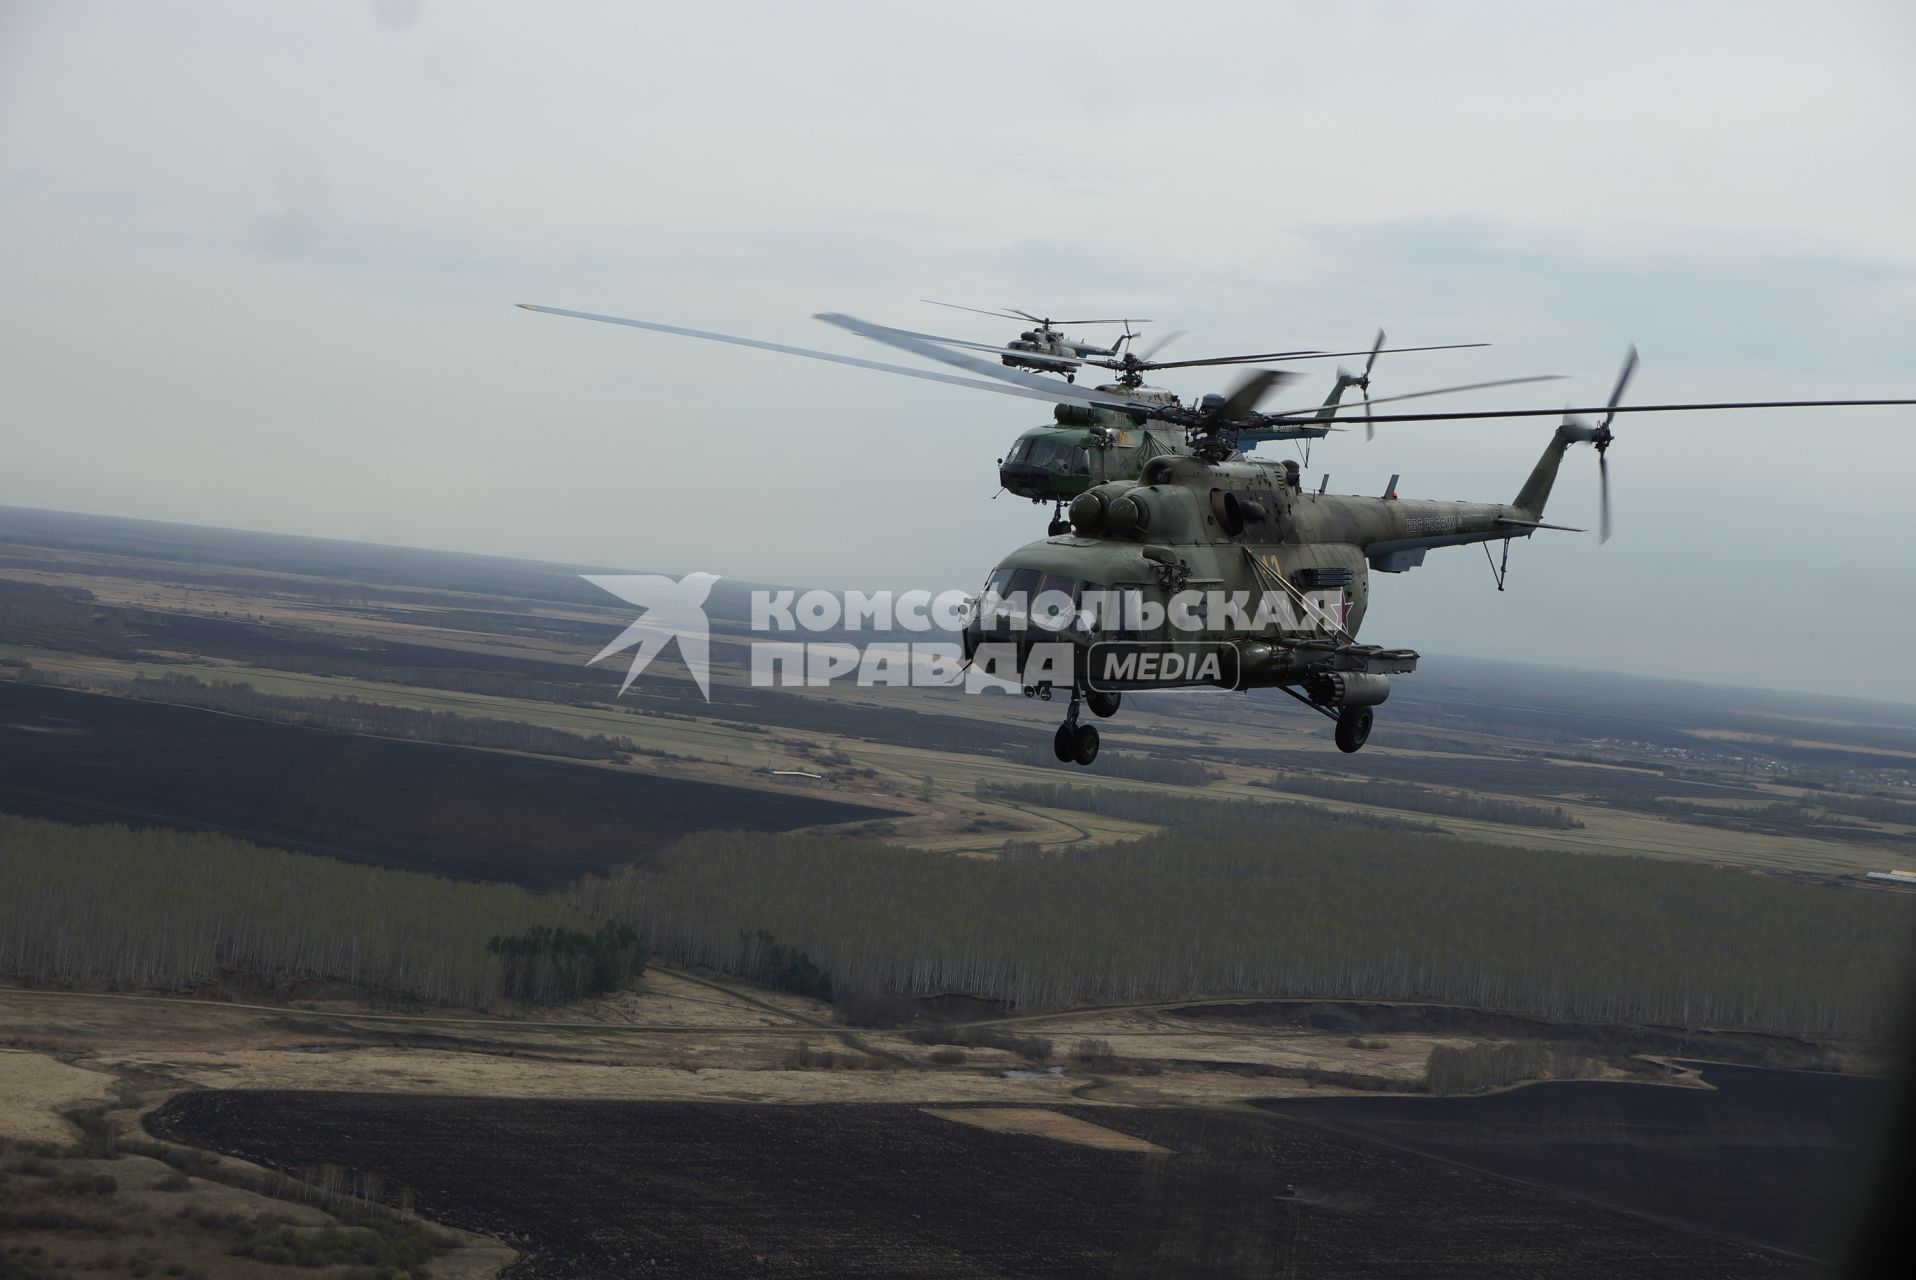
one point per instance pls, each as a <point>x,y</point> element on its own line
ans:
<point>1125,620</point>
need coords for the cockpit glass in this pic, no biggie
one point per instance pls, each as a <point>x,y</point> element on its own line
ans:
<point>1055,603</point>
<point>993,596</point>
<point>1093,598</point>
<point>1019,591</point>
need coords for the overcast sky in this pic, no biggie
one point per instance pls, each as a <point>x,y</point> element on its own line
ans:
<point>258,265</point>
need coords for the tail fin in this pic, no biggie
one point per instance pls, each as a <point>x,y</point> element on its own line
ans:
<point>1543,477</point>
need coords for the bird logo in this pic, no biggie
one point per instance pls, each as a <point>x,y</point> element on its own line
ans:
<point>674,609</point>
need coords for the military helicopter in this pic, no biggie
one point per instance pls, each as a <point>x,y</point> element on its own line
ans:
<point>1095,435</point>
<point>1046,349</point>
<point>1084,446</point>
<point>1214,569</point>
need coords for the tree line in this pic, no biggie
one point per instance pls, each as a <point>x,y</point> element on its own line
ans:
<point>110,906</point>
<point>1255,900</point>
<point>1174,770</point>
<point>1162,808</point>
<point>1405,795</point>
<point>346,713</point>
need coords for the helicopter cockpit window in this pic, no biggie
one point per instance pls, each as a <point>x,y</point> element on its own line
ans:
<point>992,600</point>
<point>1020,450</point>
<point>1093,600</point>
<point>1019,591</point>
<point>1081,462</point>
<point>1055,603</point>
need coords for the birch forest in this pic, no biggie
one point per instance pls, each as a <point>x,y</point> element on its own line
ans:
<point>108,906</point>
<point>1239,903</point>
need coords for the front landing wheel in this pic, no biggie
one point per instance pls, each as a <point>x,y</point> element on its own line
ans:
<point>1353,728</point>
<point>1063,745</point>
<point>1084,747</point>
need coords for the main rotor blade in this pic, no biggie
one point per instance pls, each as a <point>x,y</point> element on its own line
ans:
<point>1633,408</point>
<point>1365,404</point>
<point>1243,401</point>
<point>999,351</point>
<point>1038,389</point>
<point>1030,382</point>
<point>1317,355</point>
<point>1273,355</point>
<point>1162,343</point>
<point>1012,313</point>
<point>1003,315</point>
<point>1119,320</point>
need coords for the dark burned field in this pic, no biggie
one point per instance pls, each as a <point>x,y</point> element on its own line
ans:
<point>1779,1157</point>
<point>79,757</point>
<point>589,1188</point>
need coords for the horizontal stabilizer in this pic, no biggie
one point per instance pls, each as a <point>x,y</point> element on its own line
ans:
<point>1538,524</point>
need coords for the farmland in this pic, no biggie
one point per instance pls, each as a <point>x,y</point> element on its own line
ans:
<point>474,814</point>
<point>1780,1157</point>
<point>698,1190</point>
<point>1666,770</point>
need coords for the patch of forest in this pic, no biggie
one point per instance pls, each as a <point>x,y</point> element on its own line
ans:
<point>143,909</point>
<point>1255,900</point>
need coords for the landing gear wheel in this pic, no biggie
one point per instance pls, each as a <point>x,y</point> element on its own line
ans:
<point>1063,746</point>
<point>1057,528</point>
<point>1084,747</point>
<point>1103,705</point>
<point>1353,728</point>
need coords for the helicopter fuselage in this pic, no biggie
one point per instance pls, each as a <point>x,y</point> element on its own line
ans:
<point>1082,448</point>
<point>1234,555</point>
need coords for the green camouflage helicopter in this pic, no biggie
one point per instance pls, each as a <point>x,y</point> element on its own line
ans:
<point>1211,569</point>
<point>1086,446</point>
<point>1096,435</point>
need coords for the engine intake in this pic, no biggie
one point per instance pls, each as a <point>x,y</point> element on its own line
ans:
<point>1347,688</point>
<point>1129,514</point>
<point>1088,511</point>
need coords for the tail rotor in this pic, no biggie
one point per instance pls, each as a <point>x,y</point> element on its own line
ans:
<point>1601,436</point>
<point>1362,383</point>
